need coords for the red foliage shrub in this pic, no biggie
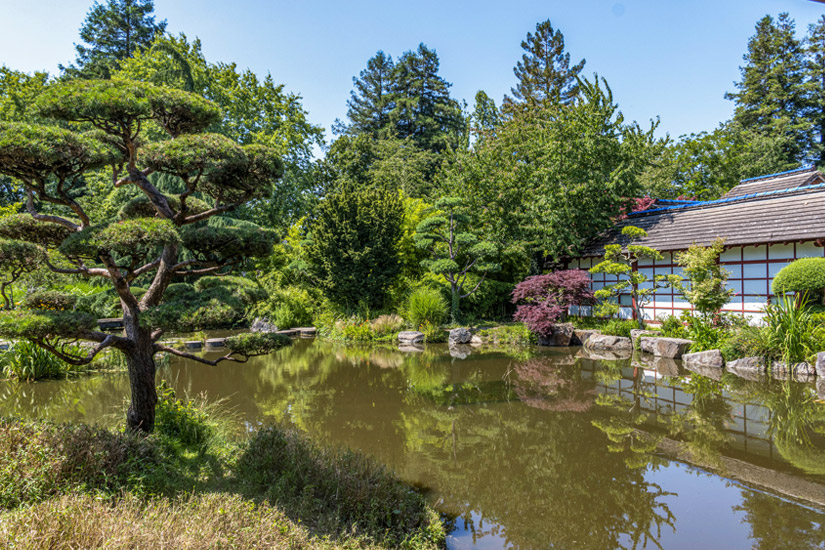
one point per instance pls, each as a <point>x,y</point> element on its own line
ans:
<point>543,299</point>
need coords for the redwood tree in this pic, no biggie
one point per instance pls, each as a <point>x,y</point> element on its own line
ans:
<point>157,237</point>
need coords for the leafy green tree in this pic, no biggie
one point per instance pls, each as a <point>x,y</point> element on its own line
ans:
<point>553,177</point>
<point>113,31</point>
<point>353,254</point>
<point>622,261</point>
<point>423,109</point>
<point>544,73</point>
<point>370,103</point>
<point>771,98</point>
<point>705,166</point>
<point>485,117</point>
<point>154,230</point>
<point>455,249</point>
<point>706,291</point>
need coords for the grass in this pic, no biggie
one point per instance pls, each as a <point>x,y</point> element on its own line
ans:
<point>196,482</point>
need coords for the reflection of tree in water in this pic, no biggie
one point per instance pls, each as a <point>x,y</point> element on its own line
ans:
<point>545,383</point>
<point>702,425</point>
<point>777,523</point>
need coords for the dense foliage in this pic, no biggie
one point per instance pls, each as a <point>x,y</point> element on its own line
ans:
<point>544,299</point>
<point>803,276</point>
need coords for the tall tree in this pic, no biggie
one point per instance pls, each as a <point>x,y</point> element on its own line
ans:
<point>485,115</point>
<point>113,31</point>
<point>370,103</point>
<point>423,109</point>
<point>771,97</point>
<point>544,73</point>
<point>815,77</point>
<point>148,242</point>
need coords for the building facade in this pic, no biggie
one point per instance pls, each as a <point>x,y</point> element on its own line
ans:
<point>766,222</point>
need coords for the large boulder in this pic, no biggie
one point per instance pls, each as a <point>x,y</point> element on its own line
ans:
<point>749,368</point>
<point>637,333</point>
<point>707,359</point>
<point>460,336</point>
<point>607,342</point>
<point>605,355</point>
<point>581,336</point>
<point>672,348</point>
<point>262,325</point>
<point>461,351</point>
<point>563,334</point>
<point>410,337</point>
<point>663,365</point>
<point>820,365</point>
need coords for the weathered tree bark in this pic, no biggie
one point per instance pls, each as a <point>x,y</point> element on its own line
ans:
<point>141,364</point>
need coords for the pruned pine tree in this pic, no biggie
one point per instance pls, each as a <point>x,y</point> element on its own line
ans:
<point>544,73</point>
<point>154,230</point>
<point>455,250</point>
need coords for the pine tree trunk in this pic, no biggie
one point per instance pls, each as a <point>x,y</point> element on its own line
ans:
<point>454,305</point>
<point>141,364</point>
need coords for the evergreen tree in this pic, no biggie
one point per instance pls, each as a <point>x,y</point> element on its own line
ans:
<point>112,32</point>
<point>423,109</point>
<point>772,94</point>
<point>815,77</point>
<point>371,101</point>
<point>485,114</point>
<point>544,73</point>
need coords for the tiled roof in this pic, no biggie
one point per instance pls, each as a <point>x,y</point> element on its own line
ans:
<point>774,182</point>
<point>765,216</point>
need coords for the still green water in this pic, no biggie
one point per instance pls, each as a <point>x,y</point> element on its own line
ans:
<point>530,449</point>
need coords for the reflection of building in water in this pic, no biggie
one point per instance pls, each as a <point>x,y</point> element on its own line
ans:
<point>748,426</point>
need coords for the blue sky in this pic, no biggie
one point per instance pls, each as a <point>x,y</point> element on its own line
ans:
<point>669,58</point>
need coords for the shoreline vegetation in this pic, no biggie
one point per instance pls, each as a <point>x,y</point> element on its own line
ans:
<point>196,482</point>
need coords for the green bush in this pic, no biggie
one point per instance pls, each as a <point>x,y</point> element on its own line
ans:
<point>672,327</point>
<point>181,420</point>
<point>426,305</point>
<point>433,334</point>
<point>293,307</point>
<point>357,331</point>
<point>748,341</point>
<point>619,327</point>
<point>50,299</point>
<point>27,361</point>
<point>801,276</point>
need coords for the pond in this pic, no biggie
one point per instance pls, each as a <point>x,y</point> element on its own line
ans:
<point>530,448</point>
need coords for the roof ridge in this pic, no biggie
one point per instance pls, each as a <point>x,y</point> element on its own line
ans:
<point>810,168</point>
<point>740,198</point>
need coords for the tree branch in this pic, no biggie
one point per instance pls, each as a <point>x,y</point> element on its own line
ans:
<point>109,340</point>
<point>46,218</point>
<point>82,270</point>
<point>186,355</point>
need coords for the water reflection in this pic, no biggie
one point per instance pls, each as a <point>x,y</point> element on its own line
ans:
<point>529,449</point>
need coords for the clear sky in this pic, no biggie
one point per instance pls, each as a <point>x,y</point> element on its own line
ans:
<point>669,58</point>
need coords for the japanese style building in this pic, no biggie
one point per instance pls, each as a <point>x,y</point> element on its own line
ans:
<point>766,222</point>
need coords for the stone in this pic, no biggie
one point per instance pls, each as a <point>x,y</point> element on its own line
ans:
<point>562,334</point>
<point>749,368</point>
<point>193,345</point>
<point>213,343</point>
<point>605,354</point>
<point>820,364</point>
<point>461,351</point>
<point>607,342</point>
<point>801,372</point>
<point>410,337</point>
<point>672,348</point>
<point>663,365</point>
<point>476,341</point>
<point>707,359</point>
<point>292,332</point>
<point>307,332</point>
<point>581,336</point>
<point>262,325</point>
<point>460,336</point>
<point>636,333</point>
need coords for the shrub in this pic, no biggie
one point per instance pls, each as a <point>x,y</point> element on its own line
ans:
<point>385,325</point>
<point>672,327</point>
<point>50,299</point>
<point>433,334</point>
<point>426,305</point>
<point>181,420</point>
<point>707,291</point>
<point>748,341</point>
<point>357,331</point>
<point>544,299</point>
<point>619,327</point>
<point>806,275</point>
<point>292,308</point>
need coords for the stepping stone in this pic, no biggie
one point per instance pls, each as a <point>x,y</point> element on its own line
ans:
<point>213,343</point>
<point>110,324</point>
<point>194,345</point>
